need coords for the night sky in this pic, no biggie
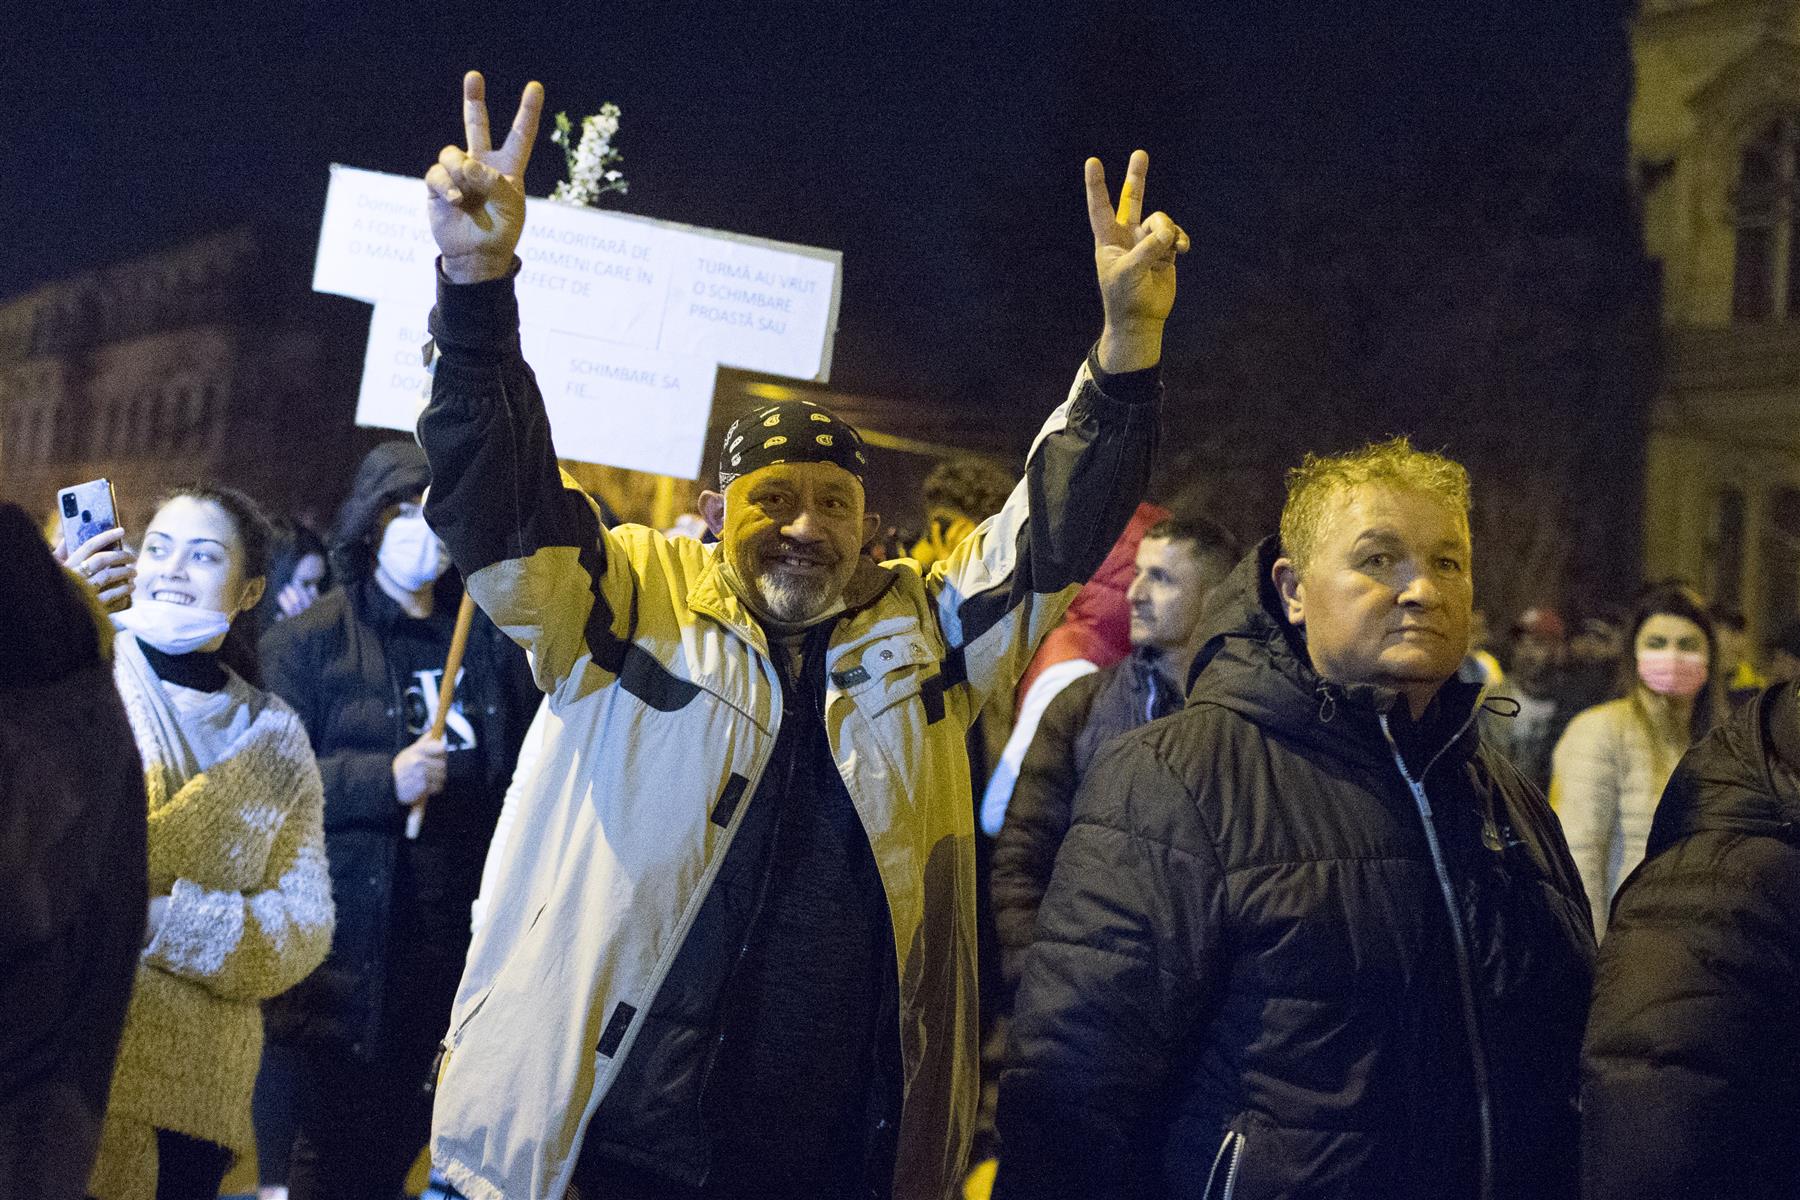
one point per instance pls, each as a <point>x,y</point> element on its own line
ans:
<point>938,145</point>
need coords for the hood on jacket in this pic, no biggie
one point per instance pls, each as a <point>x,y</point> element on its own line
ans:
<point>391,471</point>
<point>1252,660</point>
<point>1744,777</point>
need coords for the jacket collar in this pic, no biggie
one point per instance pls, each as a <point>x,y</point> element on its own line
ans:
<point>712,595</point>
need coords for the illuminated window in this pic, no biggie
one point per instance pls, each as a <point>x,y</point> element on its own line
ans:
<point>1765,282</point>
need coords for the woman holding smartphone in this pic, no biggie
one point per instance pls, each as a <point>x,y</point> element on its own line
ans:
<point>240,902</point>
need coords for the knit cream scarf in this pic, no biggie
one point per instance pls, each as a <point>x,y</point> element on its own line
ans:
<point>168,763</point>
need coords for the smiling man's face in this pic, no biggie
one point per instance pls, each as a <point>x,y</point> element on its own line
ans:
<point>1388,595</point>
<point>792,533</point>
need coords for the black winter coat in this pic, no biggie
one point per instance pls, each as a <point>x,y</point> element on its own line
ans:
<point>329,665</point>
<point>1083,717</point>
<point>1247,982</point>
<point>1691,1073</point>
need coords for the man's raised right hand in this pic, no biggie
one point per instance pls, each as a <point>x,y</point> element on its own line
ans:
<point>478,193</point>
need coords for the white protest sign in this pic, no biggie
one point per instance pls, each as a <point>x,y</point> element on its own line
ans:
<point>749,306</point>
<point>375,241</point>
<point>620,405</point>
<point>684,299</point>
<point>624,319</point>
<point>395,384</point>
<point>624,405</point>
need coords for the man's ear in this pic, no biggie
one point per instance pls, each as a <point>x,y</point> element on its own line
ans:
<point>712,509</point>
<point>1286,577</point>
<point>871,526</point>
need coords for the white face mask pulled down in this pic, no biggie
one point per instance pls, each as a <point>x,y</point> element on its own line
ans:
<point>410,554</point>
<point>172,628</point>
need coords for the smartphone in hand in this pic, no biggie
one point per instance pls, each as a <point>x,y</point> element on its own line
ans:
<point>88,509</point>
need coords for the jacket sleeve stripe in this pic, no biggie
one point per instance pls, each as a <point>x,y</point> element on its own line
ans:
<point>1087,471</point>
<point>728,799</point>
<point>615,1029</point>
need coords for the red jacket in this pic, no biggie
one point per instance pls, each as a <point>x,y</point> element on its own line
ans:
<point>1097,626</point>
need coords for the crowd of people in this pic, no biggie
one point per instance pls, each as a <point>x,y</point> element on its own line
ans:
<point>1079,852</point>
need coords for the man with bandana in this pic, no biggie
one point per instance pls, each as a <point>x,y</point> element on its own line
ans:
<point>732,946</point>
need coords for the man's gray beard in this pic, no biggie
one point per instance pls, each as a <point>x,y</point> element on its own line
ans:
<point>791,601</point>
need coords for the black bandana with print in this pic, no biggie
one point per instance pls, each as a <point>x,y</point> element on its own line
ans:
<point>789,431</point>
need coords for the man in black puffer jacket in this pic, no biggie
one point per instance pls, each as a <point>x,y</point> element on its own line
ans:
<point>1691,1073</point>
<point>1307,937</point>
<point>362,668</point>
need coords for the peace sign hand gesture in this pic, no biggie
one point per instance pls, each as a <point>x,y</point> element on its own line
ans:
<point>1134,257</point>
<point>478,194</point>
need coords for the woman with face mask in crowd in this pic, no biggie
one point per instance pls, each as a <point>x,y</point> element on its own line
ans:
<point>362,666</point>
<point>240,904</point>
<point>1610,768</point>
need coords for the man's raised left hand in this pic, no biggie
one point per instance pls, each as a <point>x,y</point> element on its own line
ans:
<point>1134,257</point>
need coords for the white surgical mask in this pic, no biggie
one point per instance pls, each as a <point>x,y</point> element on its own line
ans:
<point>172,628</point>
<point>411,554</point>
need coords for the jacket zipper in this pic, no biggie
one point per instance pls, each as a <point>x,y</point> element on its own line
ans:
<point>762,893</point>
<point>1465,970</point>
<point>1230,1156</point>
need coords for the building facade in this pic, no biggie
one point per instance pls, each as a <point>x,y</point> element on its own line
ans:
<point>195,363</point>
<point>1715,135</point>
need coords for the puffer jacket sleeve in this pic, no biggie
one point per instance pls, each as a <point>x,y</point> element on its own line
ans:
<point>1688,1075</point>
<point>1584,791</point>
<point>252,945</point>
<point>531,544</point>
<point>1007,584</point>
<point>1125,959</point>
<point>1037,820</point>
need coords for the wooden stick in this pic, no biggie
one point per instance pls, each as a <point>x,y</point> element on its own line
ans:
<point>459,642</point>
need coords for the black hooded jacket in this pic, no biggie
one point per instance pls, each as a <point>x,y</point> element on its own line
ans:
<point>332,665</point>
<point>1246,981</point>
<point>1691,1073</point>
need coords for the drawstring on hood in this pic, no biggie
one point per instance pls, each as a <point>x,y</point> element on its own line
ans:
<point>1327,703</point>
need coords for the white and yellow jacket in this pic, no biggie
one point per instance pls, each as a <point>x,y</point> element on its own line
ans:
<point>664,708</point>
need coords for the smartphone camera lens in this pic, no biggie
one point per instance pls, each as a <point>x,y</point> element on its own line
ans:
<point>68,506</point>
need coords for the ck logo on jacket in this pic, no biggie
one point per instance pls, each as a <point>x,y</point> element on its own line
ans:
<point>421,709</point>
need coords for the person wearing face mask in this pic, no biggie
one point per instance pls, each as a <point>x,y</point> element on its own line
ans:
<point>1612,763</point>
<point>362,667</point>
<point>240,904</point>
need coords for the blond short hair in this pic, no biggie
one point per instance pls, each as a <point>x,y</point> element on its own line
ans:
<point>1320,479</point>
